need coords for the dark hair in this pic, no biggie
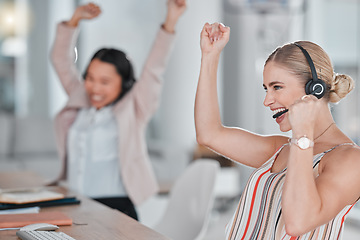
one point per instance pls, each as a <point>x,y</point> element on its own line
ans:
<point>122,64</point>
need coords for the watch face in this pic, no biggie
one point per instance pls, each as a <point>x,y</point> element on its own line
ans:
<point>303,143</point>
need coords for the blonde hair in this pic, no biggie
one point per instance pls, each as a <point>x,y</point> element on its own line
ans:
<point>291,57</point>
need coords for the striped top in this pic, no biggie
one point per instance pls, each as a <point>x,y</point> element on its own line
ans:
<point>258,215</point>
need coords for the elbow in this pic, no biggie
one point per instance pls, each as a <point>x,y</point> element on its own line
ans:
<point>292,230</point>
<point>206,136</point>
<point>296,229</point>
<point>53,58</point>
<point>202,139</point>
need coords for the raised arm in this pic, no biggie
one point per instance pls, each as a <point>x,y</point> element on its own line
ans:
<point>63,51</point>
<point>147,90</point>
<point>87,11</point>
<point>175,9</point>
<point>235,143</point>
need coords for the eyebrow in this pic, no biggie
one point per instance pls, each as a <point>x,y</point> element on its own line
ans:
<point>273,83</point>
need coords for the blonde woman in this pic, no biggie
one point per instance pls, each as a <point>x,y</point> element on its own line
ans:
<point>303,186</point>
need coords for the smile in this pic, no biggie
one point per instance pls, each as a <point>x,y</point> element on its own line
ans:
<point>278,110</point>
<point>96,98</point>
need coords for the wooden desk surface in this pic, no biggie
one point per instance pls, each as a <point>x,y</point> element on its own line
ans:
<point>91,220</point>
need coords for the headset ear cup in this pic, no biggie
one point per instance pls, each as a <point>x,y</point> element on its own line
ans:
<point>308,86</point>
<point>317,88</point>
<point>127,85</point>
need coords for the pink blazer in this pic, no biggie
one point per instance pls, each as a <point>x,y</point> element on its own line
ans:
<point>132,112</point>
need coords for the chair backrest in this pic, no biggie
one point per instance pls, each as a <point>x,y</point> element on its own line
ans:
<point>190,202</point>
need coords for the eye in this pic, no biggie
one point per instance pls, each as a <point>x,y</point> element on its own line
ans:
<point>276,87</point>
<point>89,79</point>
<point>265,89</point>
<point>105,82</point>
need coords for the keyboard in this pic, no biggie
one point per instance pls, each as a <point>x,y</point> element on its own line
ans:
<point>43,235</point>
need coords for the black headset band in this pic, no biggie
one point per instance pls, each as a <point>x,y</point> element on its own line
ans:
<point>311,64</point>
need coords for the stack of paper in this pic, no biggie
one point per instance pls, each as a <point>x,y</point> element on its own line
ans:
<point>28,196</point>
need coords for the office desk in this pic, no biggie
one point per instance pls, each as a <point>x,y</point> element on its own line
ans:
<point>91,220</point>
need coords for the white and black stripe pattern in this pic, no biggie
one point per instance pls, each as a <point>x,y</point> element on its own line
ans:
<point>258,215</point>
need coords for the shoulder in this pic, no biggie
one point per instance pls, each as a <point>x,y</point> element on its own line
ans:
<point>279,140</point>
<point>343,157</point>
<point>351,155</point>
<point>350,152</point>
<point>271,144</point>
<point>341,172</point>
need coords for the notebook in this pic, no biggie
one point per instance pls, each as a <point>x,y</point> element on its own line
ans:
<point>29,196</point>
<point>21,220</point>
<point>42,204</point>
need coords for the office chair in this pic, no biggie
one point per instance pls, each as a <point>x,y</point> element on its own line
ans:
<point>190,202</point>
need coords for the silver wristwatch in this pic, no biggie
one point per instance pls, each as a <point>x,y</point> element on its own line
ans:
<point>303,142</point>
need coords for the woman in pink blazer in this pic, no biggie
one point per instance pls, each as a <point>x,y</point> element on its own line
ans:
<point>100,133</point>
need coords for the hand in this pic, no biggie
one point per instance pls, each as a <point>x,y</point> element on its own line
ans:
<point>175,9</point>
<point>302,115</point>
<point>88,11</point>
<point>214,37</point>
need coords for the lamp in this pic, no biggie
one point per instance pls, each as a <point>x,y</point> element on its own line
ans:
<point>15,23</point>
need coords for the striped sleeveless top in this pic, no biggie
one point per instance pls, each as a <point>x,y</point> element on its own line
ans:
<point>258,214</point>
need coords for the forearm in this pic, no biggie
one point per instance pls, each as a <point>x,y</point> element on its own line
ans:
<point>175,9</point>
<point>169,24</point>
<point>63,55</point>
<point>147,90</point>
<point>301,202</point>
<point>207,114</point>
<point>74,21</point>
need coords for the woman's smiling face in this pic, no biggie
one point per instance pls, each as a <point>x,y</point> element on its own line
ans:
<point>282,90</point>
<point>102,83</point>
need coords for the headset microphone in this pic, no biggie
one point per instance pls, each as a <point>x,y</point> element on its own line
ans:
<point>280,113</point>
<point>286,110</point>
<point>314,86</point>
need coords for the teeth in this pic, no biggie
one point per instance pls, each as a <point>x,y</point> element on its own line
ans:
<point>96,97</point>
<point>278,110</point>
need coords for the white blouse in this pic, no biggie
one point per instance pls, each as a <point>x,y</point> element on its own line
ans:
<point>93,162</point>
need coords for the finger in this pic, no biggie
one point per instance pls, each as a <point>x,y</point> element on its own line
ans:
<point>215,33</point>
<point>307,98</point>
<point>93,6</point>
<point>207,28</point>
<point>95,11</point>
<point>180,2</point>
<point>224,28</point>
<point>304,97</point>
<point>204,32</point>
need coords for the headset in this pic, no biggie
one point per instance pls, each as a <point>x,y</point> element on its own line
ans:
<point>314,86</point>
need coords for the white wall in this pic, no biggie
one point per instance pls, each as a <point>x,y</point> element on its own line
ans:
<point>175,119</point>
<point>255,33</point>
<point>131,25</point>
<point>58,11</point>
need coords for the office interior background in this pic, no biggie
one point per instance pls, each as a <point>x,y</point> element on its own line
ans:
<point>31,95</point>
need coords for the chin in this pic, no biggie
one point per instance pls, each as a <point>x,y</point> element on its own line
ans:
<point>284,128</point>
<point>97,105</point>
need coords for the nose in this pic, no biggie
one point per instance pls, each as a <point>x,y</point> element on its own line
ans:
<point>268,100</point>
<point>95,87</point>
